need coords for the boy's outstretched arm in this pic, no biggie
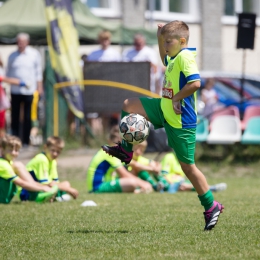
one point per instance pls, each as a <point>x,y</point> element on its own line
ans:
<point>144,185</point>
<point>153,166</point>
<point>161,43</point>
<point>31,186</point>
<point>65,186</point>
<point>21,171</point>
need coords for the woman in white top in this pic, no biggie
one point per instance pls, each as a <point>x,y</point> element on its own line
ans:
<point>209,97</point>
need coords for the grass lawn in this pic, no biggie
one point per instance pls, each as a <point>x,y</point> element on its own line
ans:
<point>141,226</point>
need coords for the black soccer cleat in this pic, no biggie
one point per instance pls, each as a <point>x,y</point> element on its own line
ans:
<point>118,152</point>
<point>211,216</point>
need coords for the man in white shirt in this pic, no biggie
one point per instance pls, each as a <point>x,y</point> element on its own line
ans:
<point>106,52</point>
<point>140,52</point>
<point>24,64</point>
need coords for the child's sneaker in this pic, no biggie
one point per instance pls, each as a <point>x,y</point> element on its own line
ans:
<point>218,187</point>
<point>211,216</point>
<point>118,152</point>
<point>63,198</point>
<point>174,187</point>
<point>47,196</point>
<point>159,187</point>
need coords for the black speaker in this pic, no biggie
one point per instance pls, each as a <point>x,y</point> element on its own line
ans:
<point>246,31</point>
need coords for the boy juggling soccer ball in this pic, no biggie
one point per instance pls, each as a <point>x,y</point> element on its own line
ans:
<point>43,169</point>
<point>175,111</point>
<point>13,174</point>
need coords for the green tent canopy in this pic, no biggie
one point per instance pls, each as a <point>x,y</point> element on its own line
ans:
<point>29,16</point>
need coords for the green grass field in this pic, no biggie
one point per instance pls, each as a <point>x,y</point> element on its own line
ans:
<point>138,226</point>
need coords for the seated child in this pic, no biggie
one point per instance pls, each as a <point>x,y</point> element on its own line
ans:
<point>146,169</point>
<point>173,173</point>
<point>13,174</point>
<point>166,176</point>
<point>43,169</point>
<point>107,174</point>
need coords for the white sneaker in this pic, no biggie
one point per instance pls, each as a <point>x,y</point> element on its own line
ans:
<point>64,197</point>
<point>218,187</point>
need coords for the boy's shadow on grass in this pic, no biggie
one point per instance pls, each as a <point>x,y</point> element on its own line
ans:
<point>97,231</point>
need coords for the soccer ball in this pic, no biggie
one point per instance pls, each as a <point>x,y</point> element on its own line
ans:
<point>134,128</point>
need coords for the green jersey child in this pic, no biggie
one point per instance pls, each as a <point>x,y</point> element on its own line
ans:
<point>13,174</point>
<point>173,173</point>
<point>106,174</point>
<point>146,169</point>
<point>43,169</point>
<point>175,111</point>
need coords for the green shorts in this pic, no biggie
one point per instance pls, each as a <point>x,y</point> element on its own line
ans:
<point>26,195</point>
<point>182,141</point>
<point>112,186</point>
<point>7,191</point>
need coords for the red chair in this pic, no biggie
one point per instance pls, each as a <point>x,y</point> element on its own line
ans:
<point>250,111</point>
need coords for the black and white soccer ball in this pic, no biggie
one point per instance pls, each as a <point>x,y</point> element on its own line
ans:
<point>134,128</point>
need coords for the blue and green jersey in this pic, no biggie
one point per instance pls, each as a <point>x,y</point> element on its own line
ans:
<point>181,69</point>
<point>101,169</point>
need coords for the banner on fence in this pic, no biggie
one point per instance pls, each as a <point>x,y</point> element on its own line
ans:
<point>63,43</point>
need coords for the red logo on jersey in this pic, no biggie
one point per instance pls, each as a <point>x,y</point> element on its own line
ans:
<point>167,93</point>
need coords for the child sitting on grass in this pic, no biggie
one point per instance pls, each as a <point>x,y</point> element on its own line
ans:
<point>43,169</point>
<point>107,174</point>
<point>146,169</point>
<point>13,174</point>
<point>164,176</point>
<point>171,169</point>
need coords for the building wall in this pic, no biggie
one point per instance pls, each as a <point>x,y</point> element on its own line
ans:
<point>215,41</point>
<point>133,13</point>
<point>195,41</point>
<point>233,57</point>
<point>211,34</point>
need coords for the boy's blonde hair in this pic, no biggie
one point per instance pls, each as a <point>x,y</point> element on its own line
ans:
<point>114,135</point>
<point>104,35</point>
<point>142,144</point>
<point>10,141</point>
<point>55,141</point>
<point>176,29</point>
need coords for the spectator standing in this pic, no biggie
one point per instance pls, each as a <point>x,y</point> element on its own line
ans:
<point>209,97</point>
<point>140,52</point>
<point>4,99</point>
<point>24,64</point>
<point>2,111</point>
<point>105,52</point>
